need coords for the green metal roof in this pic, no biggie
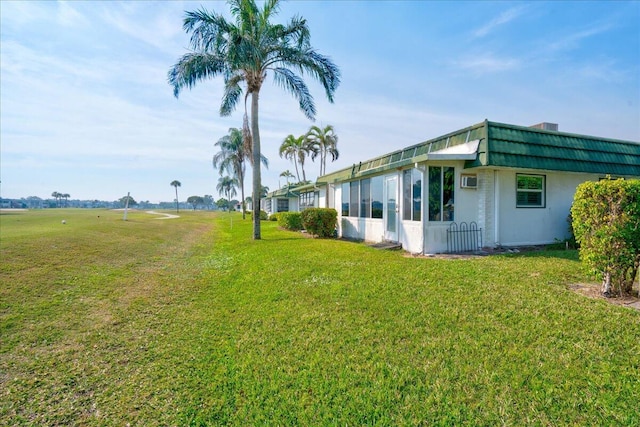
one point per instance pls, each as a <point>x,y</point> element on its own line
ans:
<point>513,146</point>
<point>286,191</point>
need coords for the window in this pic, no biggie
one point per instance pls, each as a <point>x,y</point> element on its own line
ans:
<point>530,191</point>
<point>365,198</point>
<point>307,200</point>
<point>441,193</point>
<point>345,199</point>
<point>283,205</point>
<point>376,196</point>
<point>412,194</point>
<point>354,199</point>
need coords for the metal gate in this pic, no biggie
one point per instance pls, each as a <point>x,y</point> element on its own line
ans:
<point>464,237</point>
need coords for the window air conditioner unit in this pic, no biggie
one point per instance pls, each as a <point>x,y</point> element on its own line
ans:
<point>468,181</point>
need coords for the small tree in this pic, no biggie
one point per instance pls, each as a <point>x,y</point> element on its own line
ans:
<point>195,201</point>
<point>222,203</point>
<point>123,201</point>
<point>208,201</point>
<point>606,222</point>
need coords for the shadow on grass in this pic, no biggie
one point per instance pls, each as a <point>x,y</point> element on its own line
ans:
<point>570,254</point>
<point>280,239</point>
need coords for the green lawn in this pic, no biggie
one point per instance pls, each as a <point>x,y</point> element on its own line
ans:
<point>189,322</point>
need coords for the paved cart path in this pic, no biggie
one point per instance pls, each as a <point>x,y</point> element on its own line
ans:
<point>164,215</point>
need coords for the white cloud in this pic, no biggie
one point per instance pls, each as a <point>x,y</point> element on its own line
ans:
<point>161,28</point>
<point>504,18</point>
<point>485,63</point>
<point>69,17</point>
<point>573,40</point>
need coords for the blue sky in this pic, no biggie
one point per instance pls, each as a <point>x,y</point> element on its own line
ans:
<point>86,108</point>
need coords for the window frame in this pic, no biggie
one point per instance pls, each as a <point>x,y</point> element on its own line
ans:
<point>365,198</point>
<point>278,201</point>
<point>542,191</point>
<point>442,204</point>
<point>307,200</point>
<point>410,178</point>
<point>354,199</point>
<point>344,202</point>
<point>377,192</point>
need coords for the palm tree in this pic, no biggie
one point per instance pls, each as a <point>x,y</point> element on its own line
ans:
<point>176,183</point>
<point>232,157</point>
<point>287,174</point>
<point>65,196</point>
<point>296,150</point>
<point>244,52</point>
<point>56,196</point>
<point>325,141</point>
<point>227,186</point>
<point>289,150</point>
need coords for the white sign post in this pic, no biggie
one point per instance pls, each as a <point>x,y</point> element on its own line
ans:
<point>126,206</point>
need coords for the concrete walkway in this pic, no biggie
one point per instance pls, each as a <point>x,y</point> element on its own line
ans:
<point>164,215</point>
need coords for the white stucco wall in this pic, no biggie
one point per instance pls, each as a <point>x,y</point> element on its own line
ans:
<point>411,236</point>
<point>321,202</point>
<point>535,226</point>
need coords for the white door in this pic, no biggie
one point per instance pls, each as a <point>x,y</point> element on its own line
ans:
<point>391,209</point>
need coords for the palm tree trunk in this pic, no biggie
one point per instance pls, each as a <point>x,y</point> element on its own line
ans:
<point>257,178</point>
<point>177,206</point>
<point>241,179</point>
<point>295,163</point>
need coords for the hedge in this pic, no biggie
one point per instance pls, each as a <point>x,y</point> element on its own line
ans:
<point>263,215</point>
<point>290,220</point>
<point>320,222</point>
<point>606,222</point>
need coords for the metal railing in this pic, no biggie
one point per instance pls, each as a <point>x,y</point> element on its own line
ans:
<point>464,237</point>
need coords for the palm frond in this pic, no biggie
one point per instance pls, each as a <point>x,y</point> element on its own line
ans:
<point>192,68</point>
<point>289,81</point>
<point>207,29</point>
<point>231,95</point>
<point>297,31</point>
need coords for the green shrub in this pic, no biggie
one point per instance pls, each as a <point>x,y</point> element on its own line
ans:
<point>606,222</point>
<point>263,215</point>
<point>290,220</point>
<point>274,216</point>
<point>320,222</point>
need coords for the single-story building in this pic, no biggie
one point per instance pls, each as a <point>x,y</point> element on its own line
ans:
<point>487,185</point>
<point>284,199</point>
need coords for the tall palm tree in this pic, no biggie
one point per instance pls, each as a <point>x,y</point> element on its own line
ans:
<point>227,186</point>
<point>176,184</point>
<point>244,51</point>
<point>232,157</point>
<point>56,195</point>
<point>289,150</point>
<point>296,150</point>
<point>65,196</point>
<point>325,141</point>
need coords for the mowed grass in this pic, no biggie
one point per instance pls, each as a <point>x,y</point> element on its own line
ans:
<point>189,322</point>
